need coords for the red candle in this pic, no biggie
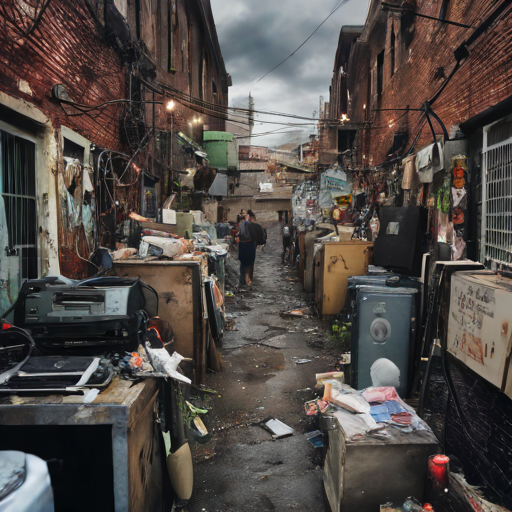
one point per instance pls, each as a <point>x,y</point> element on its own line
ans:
<point>438,469</point>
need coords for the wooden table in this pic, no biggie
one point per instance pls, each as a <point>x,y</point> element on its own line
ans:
<point>110,451</point>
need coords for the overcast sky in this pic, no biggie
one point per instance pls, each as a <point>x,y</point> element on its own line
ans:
<point>255,35</point>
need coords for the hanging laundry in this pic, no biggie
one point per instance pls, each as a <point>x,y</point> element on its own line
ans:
<point>409,172</point>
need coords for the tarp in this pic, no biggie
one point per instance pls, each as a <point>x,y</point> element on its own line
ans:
<point>219,186</point>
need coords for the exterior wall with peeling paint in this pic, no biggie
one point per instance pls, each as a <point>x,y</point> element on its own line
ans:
<point>101,52</point>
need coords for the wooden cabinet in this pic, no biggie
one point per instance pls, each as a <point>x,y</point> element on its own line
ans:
<point>334,264</point>
<point>179,285</point>
<point>362,472</point>
<point>110,458</point>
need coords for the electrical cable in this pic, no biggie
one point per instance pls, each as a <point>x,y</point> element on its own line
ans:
<point>461,53</point>
<point>340,4</point>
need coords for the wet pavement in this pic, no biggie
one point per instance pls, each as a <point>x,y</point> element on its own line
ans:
<point>242,468</point>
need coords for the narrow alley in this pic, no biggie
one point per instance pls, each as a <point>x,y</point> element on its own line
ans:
<point>243,468</point>
<point>255,256</point>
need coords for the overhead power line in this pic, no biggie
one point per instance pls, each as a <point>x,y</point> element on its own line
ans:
<point>340,4</point>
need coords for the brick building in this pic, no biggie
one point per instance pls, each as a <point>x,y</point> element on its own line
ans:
<point>85,135</point>
<point>457,66</point>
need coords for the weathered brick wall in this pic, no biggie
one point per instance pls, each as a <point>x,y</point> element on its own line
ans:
<point>483,80</point>
<point>65,49</point>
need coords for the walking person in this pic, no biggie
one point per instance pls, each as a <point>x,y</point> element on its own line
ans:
<point>246,251</point>
<point>287,241</point>
<point>257,235</point>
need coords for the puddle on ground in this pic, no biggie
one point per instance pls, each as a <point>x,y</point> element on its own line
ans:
<point>257,363</point>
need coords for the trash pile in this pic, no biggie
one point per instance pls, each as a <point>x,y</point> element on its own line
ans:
<point>363,413</point>
<point>156,241</point>
<point>411,505</point>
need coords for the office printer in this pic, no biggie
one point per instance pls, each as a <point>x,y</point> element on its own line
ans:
<point>96,315</point>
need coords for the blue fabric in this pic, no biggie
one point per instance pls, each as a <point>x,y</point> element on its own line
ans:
<point>384,411</point>
<point>394,407</point>
<point>380,413</point>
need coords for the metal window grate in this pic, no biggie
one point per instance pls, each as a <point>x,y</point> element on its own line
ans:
<point>18,191</point>
<point>497,242</point>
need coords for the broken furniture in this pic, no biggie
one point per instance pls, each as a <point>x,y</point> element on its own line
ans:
<point>179,285</point>
<point>362,471</point>
<point>107,454</point>
<point>335,263</point>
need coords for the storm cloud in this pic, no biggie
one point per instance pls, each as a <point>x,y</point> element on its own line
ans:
<point>256,35</point>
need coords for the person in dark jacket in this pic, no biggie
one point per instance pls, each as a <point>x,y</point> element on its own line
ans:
<point>246,251</point>
<point>257,235</point>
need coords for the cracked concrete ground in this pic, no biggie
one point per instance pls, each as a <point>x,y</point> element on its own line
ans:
<point>242,468</point>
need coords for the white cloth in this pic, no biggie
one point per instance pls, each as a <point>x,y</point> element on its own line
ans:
<point>36,494</point>
<point>429,161</point>
<point>385,373</point>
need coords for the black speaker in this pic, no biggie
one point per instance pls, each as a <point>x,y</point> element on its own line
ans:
<point>402,235</point>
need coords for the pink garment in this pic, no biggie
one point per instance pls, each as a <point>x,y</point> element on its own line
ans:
<point>380,395</point>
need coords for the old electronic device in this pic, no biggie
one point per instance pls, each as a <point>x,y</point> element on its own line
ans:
<point>59,374</point>
<point>102,313</point>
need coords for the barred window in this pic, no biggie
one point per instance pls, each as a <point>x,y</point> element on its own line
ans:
<point>496,244</point>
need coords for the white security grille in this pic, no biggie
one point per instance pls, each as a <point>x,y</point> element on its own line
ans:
<point>497,205</point>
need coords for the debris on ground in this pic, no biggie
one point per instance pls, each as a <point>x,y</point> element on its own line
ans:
<point>230,325</point>
<point>294,313</point>
<point>278,429</point>
<point>316,438</point>
<point>313,407</point>
<point>302,361</point>
<point>200,426</point>
<point>322,377</point>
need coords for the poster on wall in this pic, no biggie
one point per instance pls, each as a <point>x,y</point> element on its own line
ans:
<point>480,322</point>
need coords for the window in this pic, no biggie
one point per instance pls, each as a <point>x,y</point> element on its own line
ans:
<point>392,50</point>
<point>18,191</point>
<point>407,28</point>
<point>496,240</point>
<point>73,150</point>
<point>444,9</point>
<point>380,72</point>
